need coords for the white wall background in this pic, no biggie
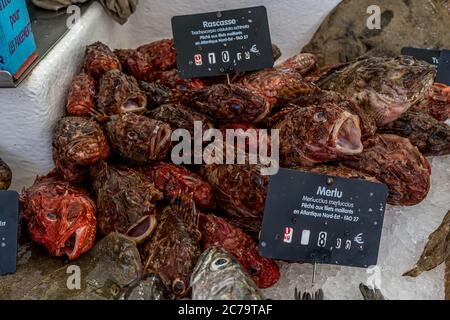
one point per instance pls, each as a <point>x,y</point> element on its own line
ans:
<point>28,113</point>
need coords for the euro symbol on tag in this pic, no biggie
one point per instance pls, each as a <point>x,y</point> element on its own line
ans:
<point>358,239</point>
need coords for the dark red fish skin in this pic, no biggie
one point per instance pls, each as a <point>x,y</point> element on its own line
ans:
<point>172,252</point>
<point>319,97</point>
<point>172,80</point>
<point>302,63</point>
<point>70,172</point>
<point>54,210</point>
<point>139,139</point>
<point>115,89</point>
<point>173,180</point>
<point>307,135</point>
<point>438,103</point>
<point>216,232</point>
<point>240,190</point>
<point>160,54</point>
<point>134,63</point>
<point>251,226</point>
<point>230,103</point>
<point>394,161</point>
<point>124,197</point>
<point>253,141</point>
<point>81,98</point>
<point>100,59</point>
<point>425,132</point>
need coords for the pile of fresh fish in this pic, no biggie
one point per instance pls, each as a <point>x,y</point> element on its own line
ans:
<point>114,182</point>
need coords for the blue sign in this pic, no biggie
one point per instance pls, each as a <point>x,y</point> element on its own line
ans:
<point>17,46</point>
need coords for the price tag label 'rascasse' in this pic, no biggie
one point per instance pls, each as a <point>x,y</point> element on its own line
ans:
<point>218,43</point>
<point>316,218</point>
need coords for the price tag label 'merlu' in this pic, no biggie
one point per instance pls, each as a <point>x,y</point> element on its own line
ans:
<point>315,218</point>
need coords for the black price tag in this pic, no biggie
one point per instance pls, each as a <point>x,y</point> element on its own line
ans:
<point>9,214</point>
<point>218,43</point>
<point>315,218</point>
<point>439,58</point>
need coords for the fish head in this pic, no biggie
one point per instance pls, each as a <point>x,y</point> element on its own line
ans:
<point>138,138</point>
<point>80,141</point>
<point>61,217</point>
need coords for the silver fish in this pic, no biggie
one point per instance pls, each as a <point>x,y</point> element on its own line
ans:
<point>218,276</point>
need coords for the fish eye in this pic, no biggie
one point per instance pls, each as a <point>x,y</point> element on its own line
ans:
<point>408,61</point>
<point>115,290</point>
<point>51,216</point>
<point>320,116</point>
<point>253,271</point>
<point>219,263</point>
<point>178,287</point>
<point>132,135</point>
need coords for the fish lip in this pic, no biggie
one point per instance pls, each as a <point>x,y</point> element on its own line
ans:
<point>356,145</point>
<point>132,104</point>
<point>75,250</point>
<point>147,233</point>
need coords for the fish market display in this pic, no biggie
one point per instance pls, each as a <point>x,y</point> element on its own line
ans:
<point>125,201</point>
<point>106,272</point>
<point>60,216</point>
<point>318,134</point>
<point>81,98</point>
<point>218,276</point>
<point>436,252</point>
<point>150,287</point>
<point>5,175</point>
<point>216,232</point>
<point>119,93</point>
<point>240,190</point>
<point>174,180</point>
<point>173,250</point>
<point>425,132</point>
<point>99,59</point>
<point>137,138</point>
<point>397,163</point>
<point>231,103</point>
<point>180,117</point>
<point>384,87</point>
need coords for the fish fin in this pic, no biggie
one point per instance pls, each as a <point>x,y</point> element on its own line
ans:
<point>186,210</point>
<point>289,93</point>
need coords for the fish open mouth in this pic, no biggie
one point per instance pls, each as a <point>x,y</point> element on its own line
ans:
<point>72,243</point>
<point>142,230</point>
<point>132,105</point>
<point>347,135</point>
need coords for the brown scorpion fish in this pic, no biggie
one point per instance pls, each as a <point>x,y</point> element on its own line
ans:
<point>137,138</point>
<point>119,93</point>
<point>240,190</point>
<point>216,232</point>
<point>100,59</point>
<point>393,160</point>
<point>425,132</point>
<point>174,249</point>
<point>5,176</point>
<point>436,252</point>
<point>125,201</point>
<point>230,103</point>
<point>134,63</point>
<point>318,134</point>
<point>157,94</point>
<point>81,99</point>
<point>60,216</point>
<point>77,143</point>
<point>173,180</point>
<point>384,87</point>
<point>180,117</point>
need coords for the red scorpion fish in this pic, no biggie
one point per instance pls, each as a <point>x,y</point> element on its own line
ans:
<point>302,63</point>
<point>245,131</point>
<point>77,143</point>
<point>174,180</point>
<point>240,190</point>
<point>174,249</point>
<point>384,87</point>
<point>139,139</point>
<point>81,99</point>
<point>393,160</point>
<point>230,103</point>
<point>119,93</point>
<point>425,132</point>
<point>172,80</point>
<point>125,201</point>
<point>216,232</point>
<point>5,176</point>
<point>60,216</point>
<point>134,63</point>
<point>160,54</point>
<point>318,134</point>
<point>100,59</point>
<point>438,103</point>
